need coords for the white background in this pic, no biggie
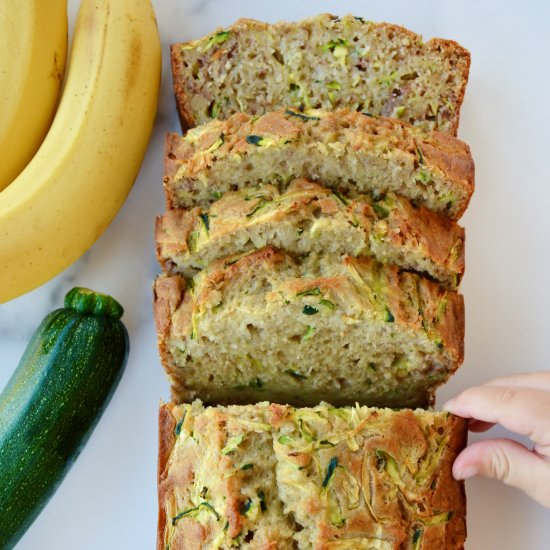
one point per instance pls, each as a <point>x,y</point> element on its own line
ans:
<point>108,500</point>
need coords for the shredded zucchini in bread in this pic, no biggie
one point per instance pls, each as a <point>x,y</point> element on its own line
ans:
<point>309,219</point>
<point>346,151</point>
<point>277,477</point>
<point>262,325</point>
<point>322,62</point>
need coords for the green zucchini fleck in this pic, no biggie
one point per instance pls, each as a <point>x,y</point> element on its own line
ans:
<point>232,444</point>
<point>245,507</point>
<point>247,466</point>
<point>380,211</point>
<point>305,432</point>
<point>192,512</point>
<point>334,85</point>
<point>420,155</point>
<point>386,462</point>
<point>341,198</point>
<point>327,303</point>
<point>285,440</point>
<point>400,111</point>
<point>216,195</point>
<point>389,79</point>
<point>360,19</point>
<point>389,318</point>
<point>254,140</point>
<point>177,429</point>
<point>214,109</point>
<point>332,465</point>
<point>256,383</point>
<point>290,112</point>
<point>308,334</point>
<point>423,176</point>
<point>437,519</point>
<point>263,505</point>
<point>206,222</point>
<point>417,538</point>
<point>296,374</point>
<point>192,241</point>
<point>333,44</point>
<point>217,39</point>
<point>263,202</point>
<point>216,145</point>
<point>316,291</point>
<point>309,310</point>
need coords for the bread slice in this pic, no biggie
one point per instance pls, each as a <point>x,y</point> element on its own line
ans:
<point>272,476</point>
<point>323,62</point>
<point>346,151</point>
<point>309,219</point>
<point>262,326</point>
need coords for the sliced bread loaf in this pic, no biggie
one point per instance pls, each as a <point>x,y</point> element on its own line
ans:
<point>263,325</point>
<point>323,62</point>
<point>272,476</point>
<point>346,151</point>
<point>309,219</point>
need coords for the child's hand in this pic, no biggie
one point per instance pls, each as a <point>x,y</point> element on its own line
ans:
<point>520,403</point>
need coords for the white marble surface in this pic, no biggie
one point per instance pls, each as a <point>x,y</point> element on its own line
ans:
<point>108,499</point>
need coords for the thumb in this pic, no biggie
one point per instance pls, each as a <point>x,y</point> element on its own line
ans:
<point>507,461</point>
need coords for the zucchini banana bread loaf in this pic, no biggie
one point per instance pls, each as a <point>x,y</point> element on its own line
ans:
<point>309,219</point>
<point>272,476</point>
<point>347,151</point>
<point>261,325</point>
<point>323,62</point>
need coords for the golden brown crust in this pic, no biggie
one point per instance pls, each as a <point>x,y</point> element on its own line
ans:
<point>178,79</point>
<point>167,438</point>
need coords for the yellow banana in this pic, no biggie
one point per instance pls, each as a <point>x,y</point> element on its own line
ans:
<point>79,178</point>
<point>33,49</point>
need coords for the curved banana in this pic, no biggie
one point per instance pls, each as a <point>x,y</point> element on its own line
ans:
<point>33,49</point>
<point>79,178</point>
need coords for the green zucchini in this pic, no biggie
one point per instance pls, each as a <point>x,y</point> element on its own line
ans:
<point>53,400</point>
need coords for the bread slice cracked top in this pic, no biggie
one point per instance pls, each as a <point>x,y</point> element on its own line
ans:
<point>322,62</point>
<point>346,151</point>
<point>272,476</point>
<point>309,219</point>
<point>263,325</point>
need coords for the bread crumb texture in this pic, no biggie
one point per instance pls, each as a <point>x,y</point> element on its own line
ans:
<point>348,152</point>
<point>272,476</point>
<point>263,325</point>
<point>323,62</point>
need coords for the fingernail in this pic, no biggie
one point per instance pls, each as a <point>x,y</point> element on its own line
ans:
<point>466,473</point>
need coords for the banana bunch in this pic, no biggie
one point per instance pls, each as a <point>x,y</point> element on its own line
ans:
<point>77,181</point>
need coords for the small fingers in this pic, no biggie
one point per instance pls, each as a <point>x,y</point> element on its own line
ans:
<point>523,410</point>
<point>507,461</point>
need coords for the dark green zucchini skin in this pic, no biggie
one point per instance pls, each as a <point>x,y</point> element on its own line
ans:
<point>52,402</point>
